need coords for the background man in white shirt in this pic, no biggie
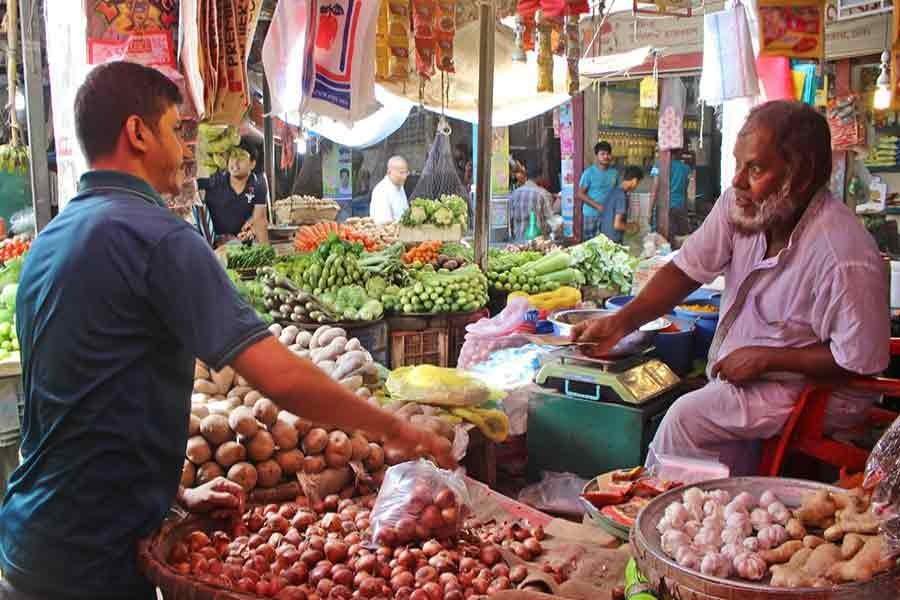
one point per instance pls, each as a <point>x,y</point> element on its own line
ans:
<point>389,198</point>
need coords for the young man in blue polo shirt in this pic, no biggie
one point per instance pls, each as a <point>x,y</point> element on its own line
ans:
<point>116,299</point>
<point>596,182</point>
<point>236,198</point>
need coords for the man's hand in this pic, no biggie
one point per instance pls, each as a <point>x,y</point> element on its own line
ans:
<point>744,364</point>
<point>218,494</point>
<point>419,441</point>
<point>605,332</point>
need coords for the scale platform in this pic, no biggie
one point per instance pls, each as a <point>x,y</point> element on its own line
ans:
<point>632,380</point>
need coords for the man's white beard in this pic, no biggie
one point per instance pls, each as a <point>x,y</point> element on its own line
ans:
<point>778,208</point>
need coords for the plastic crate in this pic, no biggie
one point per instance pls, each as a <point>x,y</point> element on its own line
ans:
<point>411,348</point>
<point>456,332</point>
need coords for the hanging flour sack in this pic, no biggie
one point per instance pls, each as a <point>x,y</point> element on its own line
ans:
<point>344,84</point>
<point>288,54</point>
<point>729,67</point>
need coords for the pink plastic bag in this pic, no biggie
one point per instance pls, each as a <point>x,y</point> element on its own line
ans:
<point>419,501</point>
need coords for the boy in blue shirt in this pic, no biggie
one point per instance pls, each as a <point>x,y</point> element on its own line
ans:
<point>596,182</point>
<point>613,217</point>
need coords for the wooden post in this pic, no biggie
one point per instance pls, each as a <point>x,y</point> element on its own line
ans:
<point>485,133</point>
<point>578,162</point>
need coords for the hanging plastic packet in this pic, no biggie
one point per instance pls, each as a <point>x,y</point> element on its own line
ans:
<point>446,30</point>
<point>882,476</point>
<point>398,39</point>
<point>426,41</point>
<point>382,50</point>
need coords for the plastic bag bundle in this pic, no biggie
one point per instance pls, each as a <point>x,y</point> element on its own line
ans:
<point>22,221</point>
<point>439,175</point>
<point>419,501</point>
<point>436,385</point>
<point>883,477</point>
<point>487,336</point>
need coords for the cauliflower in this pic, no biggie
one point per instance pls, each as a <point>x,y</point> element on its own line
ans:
<point>443,217</point>
<point>415,215</point>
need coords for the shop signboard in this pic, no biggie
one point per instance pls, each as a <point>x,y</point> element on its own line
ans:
<point>681,39</point>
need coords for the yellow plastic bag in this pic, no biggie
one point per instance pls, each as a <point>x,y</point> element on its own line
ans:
<point>428,384</point>
<point>493,423</point>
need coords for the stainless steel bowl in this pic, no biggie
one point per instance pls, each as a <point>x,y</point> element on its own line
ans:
<point>564,320</point>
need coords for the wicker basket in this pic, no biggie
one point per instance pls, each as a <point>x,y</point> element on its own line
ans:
<point>674,582</point>
<point>152,553</point>
<point>289,212</point>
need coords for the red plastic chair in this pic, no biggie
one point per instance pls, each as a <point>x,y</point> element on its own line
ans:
<point>804,431</point>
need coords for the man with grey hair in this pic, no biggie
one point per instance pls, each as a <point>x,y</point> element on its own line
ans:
<point>805,295</point>
<point>389,198</point>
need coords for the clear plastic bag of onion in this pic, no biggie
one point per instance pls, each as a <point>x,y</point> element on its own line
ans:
<point>419,501</point>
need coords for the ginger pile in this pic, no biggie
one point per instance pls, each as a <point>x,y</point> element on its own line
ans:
<point>850,548</point>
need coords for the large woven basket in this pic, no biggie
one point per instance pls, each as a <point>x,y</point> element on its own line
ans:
<point>152,553</point>
<point>674,582</point>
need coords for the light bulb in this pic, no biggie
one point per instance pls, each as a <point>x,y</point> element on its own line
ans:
<point>20,101</point>
<point>882,99</point>
<point>300,145</point>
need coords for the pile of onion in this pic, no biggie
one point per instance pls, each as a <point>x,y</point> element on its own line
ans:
<point>293,552</point>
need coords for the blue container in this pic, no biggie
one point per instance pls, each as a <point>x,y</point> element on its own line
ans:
<point>706,325</point>
<point>617,302</point>
<point>676,349</point>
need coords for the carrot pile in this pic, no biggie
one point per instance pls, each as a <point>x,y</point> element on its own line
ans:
<point>309,237</point>
<point>9,249</point>
<point>426,252</point>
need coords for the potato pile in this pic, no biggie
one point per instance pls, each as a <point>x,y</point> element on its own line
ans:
<point>384,235</point>
<point>237,433</point>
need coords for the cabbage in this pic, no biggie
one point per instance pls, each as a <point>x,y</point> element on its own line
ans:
<point>8,295</point>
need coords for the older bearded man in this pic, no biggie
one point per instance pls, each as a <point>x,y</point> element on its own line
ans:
<point>805,297</point>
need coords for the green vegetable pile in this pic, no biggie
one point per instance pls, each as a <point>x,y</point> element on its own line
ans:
<point>462,290</point>
<point>9,343</point>
<point>253,292</point>
<point>604,263</point>
<point>333,265</point>
<point>283,301</point>
<point>447,210</point>
<point>9,278</point>
<point>251,257</point>
<point>545,274</point>
<point>386,264</point>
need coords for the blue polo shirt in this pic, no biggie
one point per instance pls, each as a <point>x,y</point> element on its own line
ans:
<point>228,209</point>
<point>116,298</point>
<point>598,183</point>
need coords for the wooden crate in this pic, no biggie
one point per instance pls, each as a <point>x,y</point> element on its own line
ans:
<point>411,348</point>
<point>428,233</point>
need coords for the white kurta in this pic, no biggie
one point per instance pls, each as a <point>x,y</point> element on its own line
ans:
<point>828,286</point>
<point>388,202</point>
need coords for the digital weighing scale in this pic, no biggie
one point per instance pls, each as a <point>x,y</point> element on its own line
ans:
<point>591,416</point>
<point>630,380</point>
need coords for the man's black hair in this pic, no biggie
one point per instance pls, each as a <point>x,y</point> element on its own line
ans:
<point>113,92</point>
<point>632,172</point>
<point>604,145</point>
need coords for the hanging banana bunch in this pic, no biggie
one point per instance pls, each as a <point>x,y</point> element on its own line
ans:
<point>13,156</point>
<point>215,145</point>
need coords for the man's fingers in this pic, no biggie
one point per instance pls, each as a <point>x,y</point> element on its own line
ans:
<point>226,485</point>
<point>223,499</point>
